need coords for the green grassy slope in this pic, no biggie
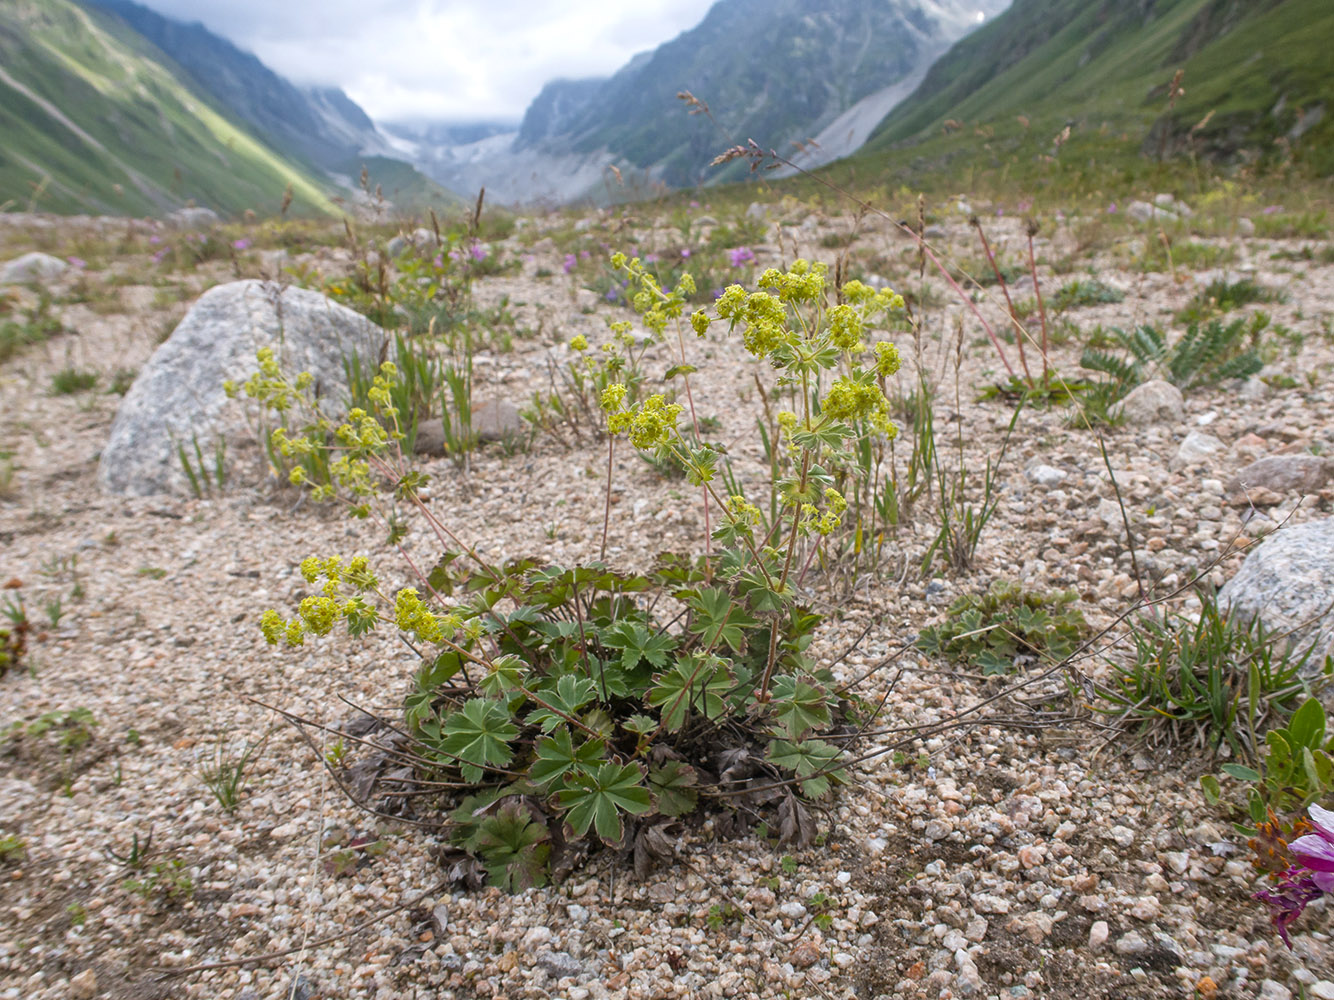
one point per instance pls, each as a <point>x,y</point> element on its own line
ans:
<point>1105,65</point>
<point>91,120</point>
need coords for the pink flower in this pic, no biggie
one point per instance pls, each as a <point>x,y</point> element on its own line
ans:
<point>740,256</point>
<point>571,262</point>
<point>155,239</point>
<point>1111,209</point>
<point>478,251</point>
<point>78,263</point>
<point>240,244</point>
<point>1306,881</point>
<point>685,254</point>
<point>1272,209</point>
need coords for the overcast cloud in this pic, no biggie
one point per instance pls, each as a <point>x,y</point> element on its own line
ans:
<point>458,60</point>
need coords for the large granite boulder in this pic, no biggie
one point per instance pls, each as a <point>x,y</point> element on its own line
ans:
<point>178,398</point>
<point>31,267</point>
<point>1288,583</point>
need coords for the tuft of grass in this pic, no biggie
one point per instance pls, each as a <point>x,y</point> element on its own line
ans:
<point>1007,625</point>
<point>1222,296</point>
<point>69,381</point>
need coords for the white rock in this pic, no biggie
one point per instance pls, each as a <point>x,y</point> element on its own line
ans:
<point>1044,475</point>
<point>1245,227</point>
<point>1098,934</point>
<point>32,267</point>
<point>1154,402</point>
<point>1197,448</point>
<point>1321,990</point>
<point>1271,989</point>
<point>1130,944</point>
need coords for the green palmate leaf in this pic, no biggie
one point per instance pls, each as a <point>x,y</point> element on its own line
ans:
<point>696,683</point>
<point>513,848</point>
<point>719,619</point>
<point>504,677</point>
<point>441,579</point>
<point>638,644</point>
<point>798,707</point>
<point>557,756</point>
<point>598,798</point>
<point>640,724</point>
<point>807,758</point>
<point>566,697</point>
<point>478,735</point>
<point>672,786</point>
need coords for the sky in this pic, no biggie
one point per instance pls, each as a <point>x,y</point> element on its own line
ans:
<point>441,60</point>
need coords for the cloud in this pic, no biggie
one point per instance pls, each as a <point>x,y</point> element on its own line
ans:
<point>443,59</point>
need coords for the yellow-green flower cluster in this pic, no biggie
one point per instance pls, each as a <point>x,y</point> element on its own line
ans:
<point>850,399</point>
<point>652,302</point>
<point>764,318</point>
<point>579,342</point>
<point>803,282</point>
<point>317,614</point>
<point>845,329</point>
<point>824,522</point>
<point>411,615</point>
<point>886,358</point>
<point>860,294</point>
<point>742,511</point>
<point>653,422</point>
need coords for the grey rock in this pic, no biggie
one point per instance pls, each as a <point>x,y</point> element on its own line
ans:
<point>1153,402</point>
<point>757,212</point>
<point>178,397</point>
<point>1295,474</point>
<point>1271,989</point>
<point>1130,944</point>
<point>193,218</point>
<point>1196,448</point>
<point>1172,205</point>
<point>1245,227</point>
<point>84,985</point>
<point>32,267</point>
<point>1321,990</point>
<point>1288,583</point>
<point>559,964</point>
<point>1044,475</point>
<point>1142,211</point>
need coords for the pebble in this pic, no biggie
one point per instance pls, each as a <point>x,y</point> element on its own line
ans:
<point>1130,944</point>
<point>1271,989</point>
<point>805,954</point>
<point>1098,934</point>
<point>1146,908</point>
<point>1321,990</point>
<point>559,964</point>
<point>84,985</point>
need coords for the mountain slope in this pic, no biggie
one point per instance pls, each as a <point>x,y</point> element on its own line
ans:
<point>322,126</point>
<point>1260,67</point>
<point>91,120</point>
<point>777,71</point>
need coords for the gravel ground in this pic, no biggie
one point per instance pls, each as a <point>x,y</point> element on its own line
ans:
<point>1001,861</point>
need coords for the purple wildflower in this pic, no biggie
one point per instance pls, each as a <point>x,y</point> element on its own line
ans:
<point>1316,850</point>
<point>155,239</point>
<point>650,258</point>
<point>1272,209</point>
<point>1294,888</point>
<point>571,262</point>
<point>1111,209</point>
<point>241,245</point>
<point>157,257</point>
<point>1306,881</point>
<point>694,204</point>
<point>585,254</point>
<point>685,254</point>
<point>478,251</point>
<point>741,255</point>
<point>78,263</point>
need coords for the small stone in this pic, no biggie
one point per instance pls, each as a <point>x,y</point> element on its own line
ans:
<point>1044,475</point>
<point>792,910</point>
<point>1245,227</point>
<point>1030,856</point>
<point>1146,908</point>
<point>805,954</point>
<point>1153,402</point>
<point>1177,861</point>
<point>976,930</point>
<point>1321,990</point>
<point>84,985</point>
<point>1130,944</point>
<point>31,267</point>
<point>987,903</point>
<point>1121,836</point>
<point>1195,449</point>
<point>535,938</point>
<point>1098,934</point>
<point>441,917</point>
<point>842,959</point>
<point>937,829</point>
<point>559,964</point>
<point>1271,989</point>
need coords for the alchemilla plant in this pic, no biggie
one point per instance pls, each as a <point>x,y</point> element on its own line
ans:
<point>563,707</point>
